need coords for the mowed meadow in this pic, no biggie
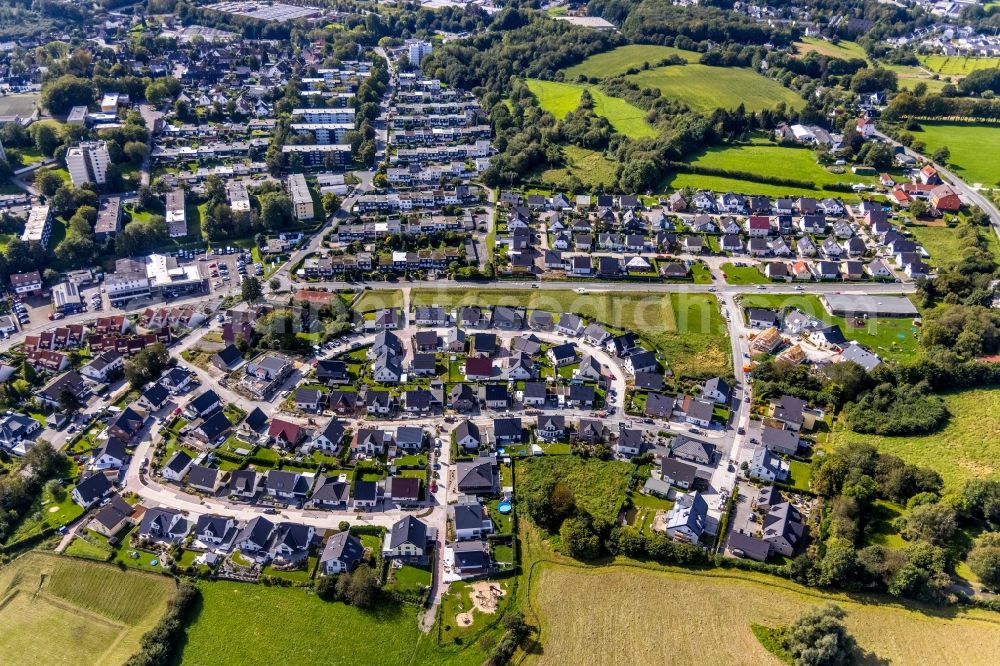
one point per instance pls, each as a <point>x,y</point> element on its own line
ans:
<point>626,615</point>
<point>974,147</point>
<point>60,610</point>
<point>560,99</point>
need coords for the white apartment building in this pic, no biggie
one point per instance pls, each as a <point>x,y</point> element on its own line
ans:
<point>416,50</point>
<point>88,162</point>
<point>176,217</point>
<point>239,198</point>
<point>302,201</point>
<point>39,226</point>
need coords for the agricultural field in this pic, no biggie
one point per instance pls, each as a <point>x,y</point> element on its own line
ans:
<point>966,448</point>
<point>561,98</point>
<point>599,487</point>
<point>687,328</point>
<point>968,143</point>
<point>590,167</point>
<point>629,615</point>
<point>944,246</point>
<point>88,613</point>
<point>20,105</point>
<point>253,617</point>
<point>706,88</point>
<point>621,59</point>
<point>764,158</point>
<point>843,49</point>
<point>889,337</point>
<point>957,65</point>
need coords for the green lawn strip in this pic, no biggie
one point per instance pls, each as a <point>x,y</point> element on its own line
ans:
<point>943,244</point>
<point>773,640</point>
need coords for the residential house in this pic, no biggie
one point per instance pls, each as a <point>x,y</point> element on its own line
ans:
<point>781,441</point>
<point>341,554</point>
<point>693,450</point>
<point>177,466</point>
<point>678,473</point>
<point>163,525</point>
<point>478,477</point>
<point>688,518</point>
<point>91,489</point>
<point>407,540</point>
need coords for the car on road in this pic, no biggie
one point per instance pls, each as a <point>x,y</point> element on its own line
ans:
<point>534,286</point>
<point>799,287</point>
<point>761,287</point>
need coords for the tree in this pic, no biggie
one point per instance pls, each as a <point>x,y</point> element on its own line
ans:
<point>276,211</point>
<point>934,523</point>
<point>45,137</point>
<point>362,588</point>
<point>251,290</point>
<point>274,283</point>
<point>48,182</point>
<point>331,203</point>
<point>819,638</point>
<point>579,539</point>
<point>941,155</point>
<point>919,208</point>
<point>62,94</point>
<point>69,402</point>
<point>136,151</point>
<point>984,560</point>
<point>146,365</point>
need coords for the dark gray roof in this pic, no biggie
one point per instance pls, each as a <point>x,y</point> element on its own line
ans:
<point>257,531</point>
<point>345,548</point>
<point>93,487</point>
<point>199,475</point>
<point>408,530</point>
<point>178,462</point>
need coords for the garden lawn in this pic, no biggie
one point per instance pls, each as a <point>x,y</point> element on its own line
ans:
<point>966,448</point>
<point>603,616</point>
<point>958,65</point>
<point>255,618</point>
<point>370,301</point>
<point>599,487</point>
<point>943,244</point>
<point>889,337</point>
<point>590,167</point>
<point>743,274</point>
<point>705,88</point>
<point>561,98</point>
<point>621,59</point>
<point>970,144</point>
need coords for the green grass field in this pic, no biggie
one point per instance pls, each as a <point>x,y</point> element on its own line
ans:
<point>969,144</point>
<point>706,88</point>
<point>599,487</point>
<point>256,619</point>
<point>944,246</point>
<point>764,158</point>
<point>967,447</point>
<point>890,338</point>
<point>687,328</point>
<point>88,613</point>
<point>619,60</point>
<point>844,49</point>
<point>722,184</point>
<point>958,65</point>
<point>590,167</point>
<point>561,98</point>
